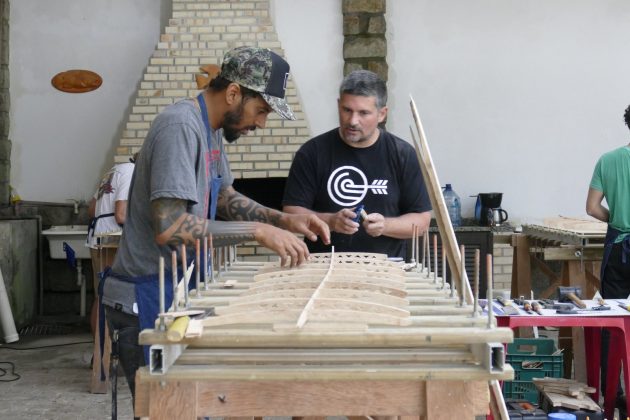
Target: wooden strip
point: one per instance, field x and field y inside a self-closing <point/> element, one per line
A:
<point x="374" y="337"/>
<point x="386" y="371"/>
<point x="289" y="356"/>
<point x="308" y="309"/>
<point x="449" y="241"/>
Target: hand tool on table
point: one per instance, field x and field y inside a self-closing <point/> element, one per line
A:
<point x="624" y="305"/>
<point x="571" y="294"/>
<point x="508" y="306"/>
<point x="536" y="307"/>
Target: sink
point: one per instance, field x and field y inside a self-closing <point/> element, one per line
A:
<point x="73" y="235"/>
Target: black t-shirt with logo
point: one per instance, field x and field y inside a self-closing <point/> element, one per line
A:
<point x="327" y="175"/>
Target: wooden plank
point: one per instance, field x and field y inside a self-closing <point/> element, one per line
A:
<point x="374" y="337"/>
<point x="573" y="254"/>
<point x="172" y="400"/>
<point x="456" y="400"/>
<point x="449" y="241"/>
<point x="308" y="398"/>
<point x="521" y="268"/>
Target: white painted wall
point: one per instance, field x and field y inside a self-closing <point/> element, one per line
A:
<point x="63" y="142"/>
<point x="516" y="96"/>
<point x="311" y="33"/>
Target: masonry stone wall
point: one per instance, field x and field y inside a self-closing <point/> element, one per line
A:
<point x="502" y="272"/>
<point x="5" y="143"/>
<point x="364" y="46"/>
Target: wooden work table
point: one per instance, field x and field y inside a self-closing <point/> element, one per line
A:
<point x="430" y="367"/>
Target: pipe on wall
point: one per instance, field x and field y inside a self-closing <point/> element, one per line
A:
<point x="6" y="316"/>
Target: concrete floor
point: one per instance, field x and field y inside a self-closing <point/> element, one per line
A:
<point x="54" y="379"/>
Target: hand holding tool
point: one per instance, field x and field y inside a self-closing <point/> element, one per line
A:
<point x="361" y="214"/>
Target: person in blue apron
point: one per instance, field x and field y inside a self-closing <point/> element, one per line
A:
<point x="183" y="180"/>
<point x="107" y="211"/>
<point x="611" y="180"/>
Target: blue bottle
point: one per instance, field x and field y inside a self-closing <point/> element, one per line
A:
<point x="453" y="205"/>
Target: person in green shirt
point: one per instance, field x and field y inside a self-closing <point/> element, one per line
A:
<point x="611" y="180"/>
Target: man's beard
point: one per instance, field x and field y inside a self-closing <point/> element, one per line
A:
<point x="231" y="121"/>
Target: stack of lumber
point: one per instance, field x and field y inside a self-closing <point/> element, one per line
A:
<point x="567" y="393"/>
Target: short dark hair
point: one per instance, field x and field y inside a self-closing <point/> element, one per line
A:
<point x="365" y="83"/>
<point x="220" y="83"/>
<point x="626" y="116"/>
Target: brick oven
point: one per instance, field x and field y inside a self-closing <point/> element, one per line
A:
<point x="199" y="33"/>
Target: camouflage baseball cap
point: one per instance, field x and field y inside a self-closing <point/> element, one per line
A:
<point x="260" y="70"/>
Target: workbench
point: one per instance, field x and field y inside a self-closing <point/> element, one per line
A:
<point x="577" y="244"/>
<point x="617" y="321"/>
<point x="437" y="364"/>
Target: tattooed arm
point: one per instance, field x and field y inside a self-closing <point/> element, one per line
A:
<point x="233" y="205"/>
<point x="173" y="225"/>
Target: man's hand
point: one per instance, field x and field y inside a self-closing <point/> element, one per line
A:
<point x="308" y="225"/>
<point x="291" y="250"/>
<point x="374" y="224"/>
<point x="343" y="222"/>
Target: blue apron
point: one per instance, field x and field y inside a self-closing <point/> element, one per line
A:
<point x="147" y="292"/>
<point x="611" y="236"/>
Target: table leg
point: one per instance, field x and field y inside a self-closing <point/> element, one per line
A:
<point x="592" y="348"/>
<point x="615" y="348"/>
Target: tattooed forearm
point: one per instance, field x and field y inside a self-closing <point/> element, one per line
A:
<point x="235" y="206"/>
<point x="174" y="226"/>
<point x="166" y="211"/>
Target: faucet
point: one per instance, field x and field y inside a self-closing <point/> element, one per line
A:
<point x="76" y="205"/>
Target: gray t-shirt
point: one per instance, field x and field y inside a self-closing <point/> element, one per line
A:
<point x="174" y="163"/>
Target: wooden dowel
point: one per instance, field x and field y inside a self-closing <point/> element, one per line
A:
<point x="184" y="270"/>
<point x="424" y="250"/>
<point x="462" y="270"/>
<point x="206" y="276"/>
<point x="476" y="280"/>
<point x="198" y="266"/>
<point x="212" y="261"/>
<point x="428" y="251"/>
<point x="418" y="261"/>
<point x="489" y="293"/>
<point x="435" y="259"/>
<point x="443" y="266"/>
<point x="174" y="276"/>
<point x="413" y="244"/>
<point x="161" y="291"/>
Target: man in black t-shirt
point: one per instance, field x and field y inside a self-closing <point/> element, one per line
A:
<point x="359" y="163"/>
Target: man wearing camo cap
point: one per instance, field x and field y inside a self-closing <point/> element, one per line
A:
<point x="182" y="180"/>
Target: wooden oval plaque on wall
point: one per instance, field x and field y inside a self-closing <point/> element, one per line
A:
<point x="77" y="81"/>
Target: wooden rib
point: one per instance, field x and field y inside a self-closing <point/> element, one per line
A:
<point x="270" y="316"/>
<point x="333" y="277"/>
<point x="319" y="303"/>
<point x="318" y="271"/>
<point x="330" y="293"/>
<point x="332" y="285"/>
